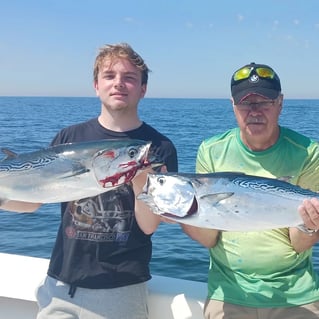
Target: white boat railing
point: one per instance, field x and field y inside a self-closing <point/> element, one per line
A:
<point x="170" y="298"/>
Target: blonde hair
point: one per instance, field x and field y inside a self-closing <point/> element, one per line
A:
<point x="120" y="51"/>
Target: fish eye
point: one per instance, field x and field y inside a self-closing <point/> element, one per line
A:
<point x="132" y="152"/>
<point x="161" y="180"/>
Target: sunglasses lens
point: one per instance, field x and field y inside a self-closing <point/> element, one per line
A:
<point x="265" y="73"/>
<point x="245" y="72"/>
<point x="242" y="74"/>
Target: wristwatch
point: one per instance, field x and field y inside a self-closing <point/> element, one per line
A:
<point x="307" y="230"/>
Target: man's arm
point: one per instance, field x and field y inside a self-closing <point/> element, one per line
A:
<point x="146" y="220"/>
<point x="19" y="207"/>
<point x="207" y="237"/>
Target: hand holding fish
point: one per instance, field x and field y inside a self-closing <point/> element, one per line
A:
<point x="306" y="235"/>
<point x="309" y="212"/>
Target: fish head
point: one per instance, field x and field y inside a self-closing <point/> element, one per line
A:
<point x="169" y="195"/>
<point x="118" y="165"/>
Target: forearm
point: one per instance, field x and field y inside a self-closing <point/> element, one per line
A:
<point x="207" y="237"/>
<point x="19" y="207"/>
<point x="146" y="219"/>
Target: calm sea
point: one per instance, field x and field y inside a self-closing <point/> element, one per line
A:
<point x="29" y="123"/>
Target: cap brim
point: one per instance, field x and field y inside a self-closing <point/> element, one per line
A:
<point x="262" y="91"/>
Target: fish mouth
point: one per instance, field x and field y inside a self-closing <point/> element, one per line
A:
<point x="192" y="211"/>
<point x="155" y="161"/>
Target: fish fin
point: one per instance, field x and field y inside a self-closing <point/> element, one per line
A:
<point x="217" y="197"/>
<point x="197" y="182"/>
<point x="10" y="154"/>
<point x="79" y="171"/>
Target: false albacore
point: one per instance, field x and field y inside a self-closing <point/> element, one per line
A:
<point x="71" y="171"/>
<point x="225" y="201"/>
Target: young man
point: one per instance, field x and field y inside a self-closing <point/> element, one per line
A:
<point x="100" y="262"/>
<point x="264" y="274"/>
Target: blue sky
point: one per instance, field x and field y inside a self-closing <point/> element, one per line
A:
<point x="47" y="47"/>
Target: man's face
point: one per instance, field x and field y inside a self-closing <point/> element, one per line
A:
<point x="257" y="118"/>
<point x="119" y="84"/>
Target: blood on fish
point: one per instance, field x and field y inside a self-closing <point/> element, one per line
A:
<point x="110" y="154"/>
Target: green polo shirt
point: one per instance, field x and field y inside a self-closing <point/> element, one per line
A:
<point x="261" y="269"/>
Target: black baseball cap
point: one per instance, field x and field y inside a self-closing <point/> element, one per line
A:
<point x="254" y="78"/>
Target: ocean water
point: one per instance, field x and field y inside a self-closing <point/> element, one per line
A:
<point x="29" y="123"/>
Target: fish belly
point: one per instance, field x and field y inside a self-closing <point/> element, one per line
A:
<point x="245" y="213"/>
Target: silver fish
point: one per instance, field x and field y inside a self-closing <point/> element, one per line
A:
<point x="71" y="171"/>
<point x="226" y="201"/>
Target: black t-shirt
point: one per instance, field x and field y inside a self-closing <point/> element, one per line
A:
<point x="99" y="243"/>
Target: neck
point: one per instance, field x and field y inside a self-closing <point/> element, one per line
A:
<point x="120" y="119"/>
<point x="120" y="124"/>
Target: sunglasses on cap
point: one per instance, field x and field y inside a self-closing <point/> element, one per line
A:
<point x="245" y="72"/>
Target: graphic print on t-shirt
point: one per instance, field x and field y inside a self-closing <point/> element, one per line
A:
<point x="102" y="218"/>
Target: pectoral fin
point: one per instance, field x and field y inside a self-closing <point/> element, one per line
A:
<point x="217" y="197"/>
<point x="9" y="154"/>
<point x="77" y="172"/>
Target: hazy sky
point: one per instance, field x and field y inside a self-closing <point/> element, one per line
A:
<point x="47" y="47"/>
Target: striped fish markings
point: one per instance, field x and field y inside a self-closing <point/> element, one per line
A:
<point x="226" y="201"/>
<point x="71" y="171"/>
